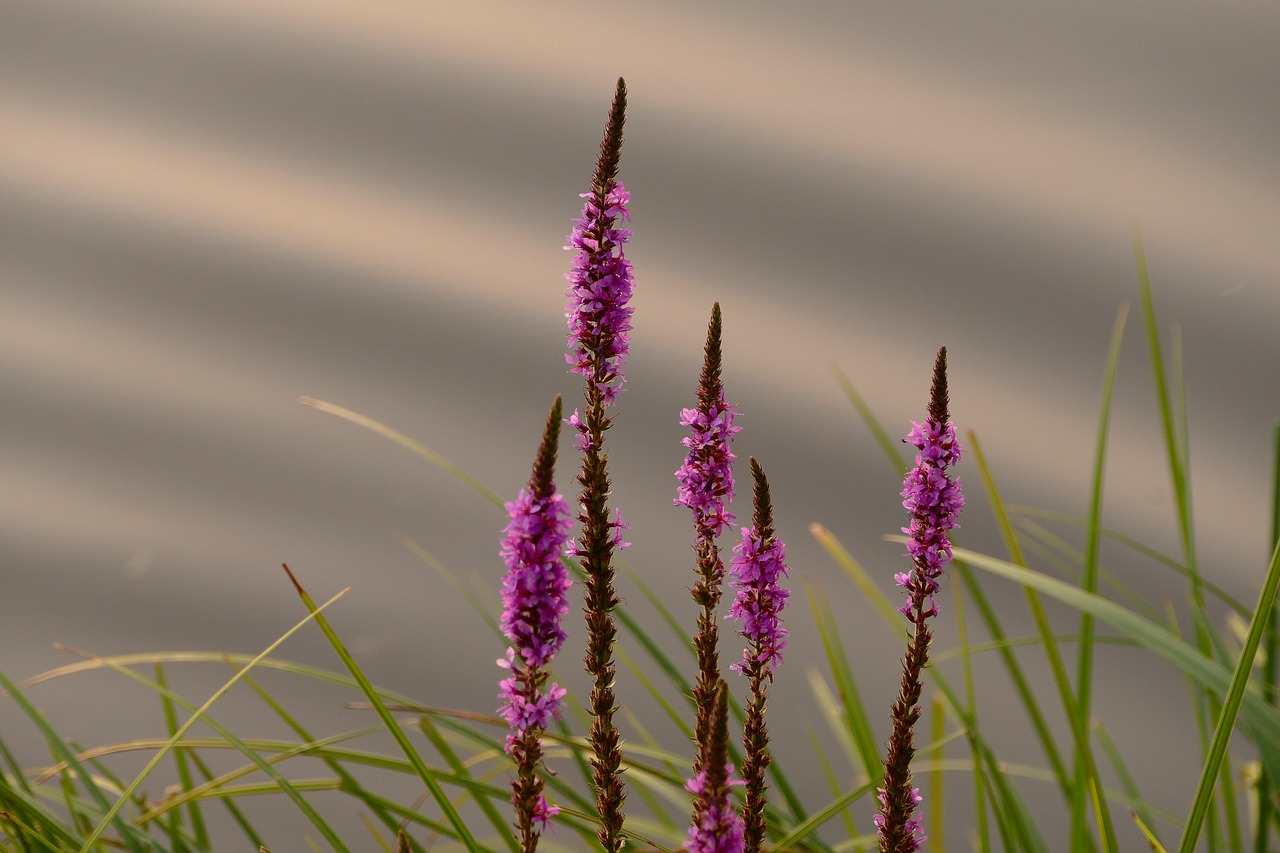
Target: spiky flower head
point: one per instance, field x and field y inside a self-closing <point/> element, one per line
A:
<point x="934" y="500"/>
<point x="706" y="477"/>
<point x="534" y="603"/>
<point x="717" y="825"/>
<point x="600" y="280"/>
<point x="758" y="564"/>
<point x="913" y="830"/>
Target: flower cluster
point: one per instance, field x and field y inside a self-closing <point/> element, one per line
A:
<point x="758" y="563"/>
<point x="934" y="501"/>
<point x="533" y="591"/>
<point x="706" y="477"/>
<point x="719" y="826"/>
<point x="912" y="830"/>
<point x="533" y="607"/>
<point x="600" y="285"/>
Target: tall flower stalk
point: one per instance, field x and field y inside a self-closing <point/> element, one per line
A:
<point x="706" y="487"/>
<point x="533" y="608"/>
<point x="717" y="826"/>
<point x="600" y="284"/>
<point x="934" y="501"/>
<point x="758" y="565"/>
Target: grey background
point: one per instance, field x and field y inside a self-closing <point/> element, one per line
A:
<point x="210" y="209"/>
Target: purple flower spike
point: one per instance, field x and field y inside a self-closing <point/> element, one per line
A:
<point x="706" y="487"/>
<point x="913" y="830"/>
<point x="533" y="591"/>
<point x="706" y="477"/>
<point x="600" y="285"/>
<point x="758" y="565"/>
<point x="533" y="607"/>
<point x="934" y="501"/>
<point x="717" y="826"/>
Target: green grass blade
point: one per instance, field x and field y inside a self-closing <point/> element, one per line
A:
<point x="458" y="586"/>
<point x="890" y="446"/>
<point x="1084" y="677"/>
<point x="777" y="776"/>
<point x="802" y="831"/>
<point x="646" y="792"/>
<point x="349" y="783"/>
<point x="501" y="826"/>
<point x="1164" y="560"/>
<point x="1010" y="812"/>
<point x="130" y="836"/>
<point x="404" y="441"/>
<point x="936" y="788"/>
<point x="1270" y="668"/>
<point x="36" y="823"/>
<point x="1088" y="777"/>
<point x="1085" y="767"/>
<point x="114" y="810"/>
<point x="1127" y="782"/>
<point x="829" y="773"/>
<point x="199" y="831"/>
<point x="655" y="693"/>
<point x="982" y="830"/>
<point x="1231" y="707"/>
<point x="1264" y="720"/>
<point x="1173" y="446"/>
<point x="237" y="816"/>
<point x="426" y="774"/>
<point x="856" y="723"/>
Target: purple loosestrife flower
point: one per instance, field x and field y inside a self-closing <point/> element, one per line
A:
<point x="600" y="285"/>
<point x="934" y="501"/>
<point x="716" y="826"/>
<point x="706" y="487"/>
<point x="599" y="327"/>
<point x="759" y="563"/>
<point x="533" y="607"/>
<point x="706" y="477"/>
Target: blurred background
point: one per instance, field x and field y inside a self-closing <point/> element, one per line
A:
<point x="208" y="210"/>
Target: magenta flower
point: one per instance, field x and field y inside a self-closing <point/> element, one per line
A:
<point x="706" y="487"/>
<point x="706" y="477"/>
<point x="913" y="829"/>
<point x="758" y="564"/>
<point x="533" y="607"/>
<point x="533" y="592"/>
<point x="934" y="501"/>
<point x="717" y="826"/>
<point x="600" y="285"/>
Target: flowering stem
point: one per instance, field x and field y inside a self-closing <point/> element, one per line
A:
<point x="756" y="571"/>
<point x="599" y="322"/>
<point x="717" y="826"/>
<point x="706" y="487"/>
<point x="534" y="604"/>
<point x="934" y="501"/>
